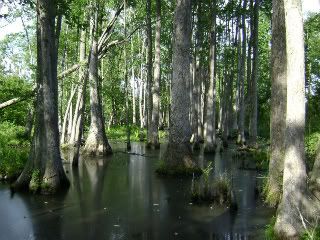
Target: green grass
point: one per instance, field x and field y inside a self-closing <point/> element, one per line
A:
<point x="211" y="191"/>
<point x="269" y="231"/>
<point x="119" y="133"/>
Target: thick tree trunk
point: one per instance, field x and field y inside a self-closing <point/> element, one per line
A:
<point x="288" y="224"/>
<point x="97" y="142"/>
<point x="210" y="123"/>
<point x="278" y="104"/>
<point x="254" y="90"/>
<point x="44" y="171"/>
<point x="178" y="153"/>
<point x="156" y="82"/>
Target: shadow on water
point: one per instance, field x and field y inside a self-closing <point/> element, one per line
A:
<point x="120" y="197"/>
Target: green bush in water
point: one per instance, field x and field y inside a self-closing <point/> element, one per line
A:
<point x="14" y="150"/>
<point x="217" y="190"/>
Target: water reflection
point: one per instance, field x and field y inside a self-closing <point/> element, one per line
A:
<point x="120" y="197"/>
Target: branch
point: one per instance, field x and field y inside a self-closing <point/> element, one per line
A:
<point x="109" y="28"/>
<point x="71" y="69"/>
<point x="16" y="100"/>
<point x="105" y="48"/>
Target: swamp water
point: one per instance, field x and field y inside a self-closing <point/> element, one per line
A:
<point x="121" y="197"/>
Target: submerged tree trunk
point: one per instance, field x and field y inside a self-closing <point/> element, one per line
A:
<point x="44" y="171"/>
<point x="97" y="142"/>
<point x="278" y="104"/>
<point x="178" y="153"/>
<point x="288" y="224"/>
<point x="156" y="82"/>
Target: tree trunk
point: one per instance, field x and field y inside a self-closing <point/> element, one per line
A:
<point x="156" y="82"/>
<point x="78" y="119"/>
<point x="278" y="104"/>
<point x="44" y="171"/>
<point x="210" y="124"/>
<point x="83" y="80"/>
<point x="126" y="80"/>
<point x="149" y="72"/>
<point x="178" y="153"/>
<point x="67" y="113"/>
<point x="254" y="90"/>
<point x="241" y="137"/>
<point x="197" y="81"/>
<point x="288" y="224"/>
<point x="97" y="142"/>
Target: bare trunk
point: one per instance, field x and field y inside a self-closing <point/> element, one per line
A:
<point x="156" y="82"/>
<point x="126" y="80"/>
<point x="44" y="171"/>
<point x="78" y="115"/>
<point x="241" y="137"/>
<point x="288" y="224"/>
<point x="210" y="124"/>
<point x="278" y="104"/>
<point x="254" y="96"/>
<point x="97" y="142"/>
<point x="149" y="71"/>
<point x="67" y="113"/>
<point x="178" y="152"/>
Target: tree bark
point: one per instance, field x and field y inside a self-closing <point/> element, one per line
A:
<point x="149" y="72"/>
<point x="156" y="82"/>
<point x="97" y="142"/>
<point x="178" y="152"/>
<point x="278" y="103"/>
<point x="254" y="90"/>
<point x="67" y="113"/>
<point x="288" y="224"/>
<point x="44" y="171"/>
<point x="241" y="137"/>
<point x="210" y="123"/>
<point x="126" y="80"/>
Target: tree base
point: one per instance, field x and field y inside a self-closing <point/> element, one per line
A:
<point x="210" y="148"/>
<point x="178" y="161"/>
<point x="96" y="145"/>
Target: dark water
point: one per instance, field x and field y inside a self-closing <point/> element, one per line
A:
<point x="120" y="197"/>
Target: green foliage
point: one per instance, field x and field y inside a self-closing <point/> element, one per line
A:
<point x="14" y="150"/>
<point x="119" y="133"/>
<point x="269" y="231"/>
<point x="311" y="146"/>
<point x="312" y="234"/>
<point x="259" y="156"/>
<point x="35" y="182"/>
<point x="12" y="87"/>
